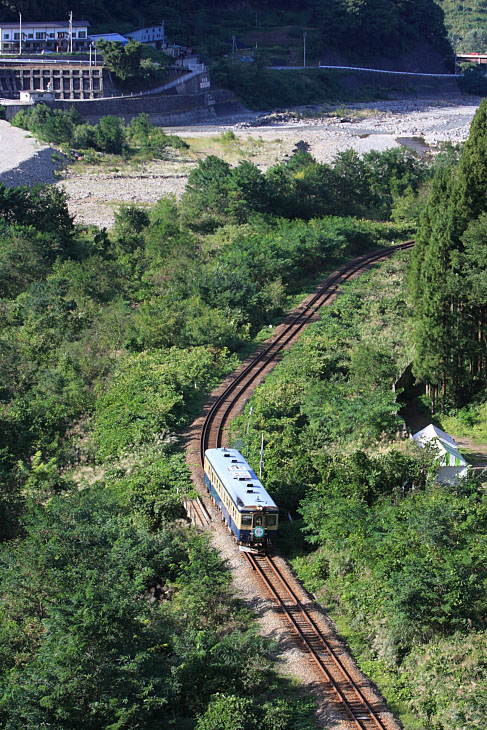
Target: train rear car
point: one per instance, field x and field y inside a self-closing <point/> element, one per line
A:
<point x="248" y="510"/>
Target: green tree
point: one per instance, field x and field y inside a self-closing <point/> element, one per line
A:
<point x="124" y="61"/>
<point x="447" y="357"/>
<point x="205" y="200"/>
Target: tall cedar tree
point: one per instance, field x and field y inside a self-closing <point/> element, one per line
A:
<point x="449" y="323"/>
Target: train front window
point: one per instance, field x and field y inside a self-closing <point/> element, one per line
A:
<point x="246" y="520"/>
<point x="257" y="520"/>
<point x="270" y="520"/>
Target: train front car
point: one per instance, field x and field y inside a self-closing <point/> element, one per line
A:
<point x="248" y="510"/>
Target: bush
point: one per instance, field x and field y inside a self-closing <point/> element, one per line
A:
<point x="54" y="126"/>
<point x="473" y="80"/>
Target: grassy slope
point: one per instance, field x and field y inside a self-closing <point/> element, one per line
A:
<point x="461" y="17"/>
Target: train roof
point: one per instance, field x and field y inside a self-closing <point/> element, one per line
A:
<point x="241" y="482"/>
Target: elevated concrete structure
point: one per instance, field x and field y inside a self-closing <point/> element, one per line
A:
<point x="65" y="79"/>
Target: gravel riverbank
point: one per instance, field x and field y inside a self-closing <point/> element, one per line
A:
<point x="363" y="127"/>
<point x="96" y="192"/>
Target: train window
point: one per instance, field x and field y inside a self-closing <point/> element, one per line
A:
<point x="271" y="520"/>
<point x="246" y="520"/>
<point x="257" y="520"/>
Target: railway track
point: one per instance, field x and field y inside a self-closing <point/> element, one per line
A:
<point x="197" y="511"/>
<point x="356" y="708"/>
<point x="357" y="711"/>
<point x="240" y="388"/>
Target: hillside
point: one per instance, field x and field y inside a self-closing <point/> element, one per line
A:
<point x="462" y="17"/>
<point x="355" y="29"/>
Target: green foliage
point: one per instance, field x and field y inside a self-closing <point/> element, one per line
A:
<point x="111" y="135"/>
<point x="41" y="207"/>
<point x="155" y="487"/>
<point x="154" y="393"/>
<point x="449" y="355"/>
<point x="473" y="80"/>
<point x="228" y="712"/>
<point x="448" y="679"/>
<point x="364" y="186"/>
<point x="102" y="627"/>
<point x="464" y="22"/>
<point x="55" y="126"/>
<point x="124" y="61"/>
<point x="412" y="566"/>
<point x="151" y="141"/>
<point x="262" y="88"/>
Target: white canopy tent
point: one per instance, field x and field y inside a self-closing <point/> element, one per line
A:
<point x="452" y="465"/>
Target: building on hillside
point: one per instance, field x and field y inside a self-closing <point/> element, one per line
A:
<point x="153" y="35"/>
<point x="52" y="36"/>
<point x="451" y="464"/>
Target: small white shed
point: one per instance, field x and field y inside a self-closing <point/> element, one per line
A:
<point x="452" y="465"/>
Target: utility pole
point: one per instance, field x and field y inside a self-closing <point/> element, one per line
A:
<point x="261" y="464"/>
<point x="234" y="44"/>
<point x="304" y="49"/>
<point x="20" y="34"/>
<point x="70" y="31"/>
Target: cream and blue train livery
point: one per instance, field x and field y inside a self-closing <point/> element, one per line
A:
<point x="248" y="510"/>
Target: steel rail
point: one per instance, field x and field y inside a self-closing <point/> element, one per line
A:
<point x="205" y="515"/>
<point x="365" y="707"/>
<point x="326" y="291"/>
<point x="197" y="511"/>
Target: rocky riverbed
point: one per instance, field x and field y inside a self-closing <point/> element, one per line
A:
<point x="95" y="192"/>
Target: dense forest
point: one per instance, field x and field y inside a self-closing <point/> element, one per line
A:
<point x="398" y="559"/>
<point x="358" y="27"/>
<point x="447" y="277"/>
<point x="110" y="342"/>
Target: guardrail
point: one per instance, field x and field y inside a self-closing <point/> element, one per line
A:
<point x="48" y="60"/>
<point x="371" y="70"/>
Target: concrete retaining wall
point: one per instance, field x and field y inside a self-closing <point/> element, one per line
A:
<point x="162" y="109"/>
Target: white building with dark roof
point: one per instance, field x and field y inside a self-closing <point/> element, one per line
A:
<point x="153" y="35"/>
<point x="53" y="36"/>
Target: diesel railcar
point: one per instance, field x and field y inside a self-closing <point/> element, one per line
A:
<point x="248" y="510"/>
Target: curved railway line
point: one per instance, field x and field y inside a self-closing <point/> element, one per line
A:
<point x="356" y="710"/>
<point x="242" y="386"/>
